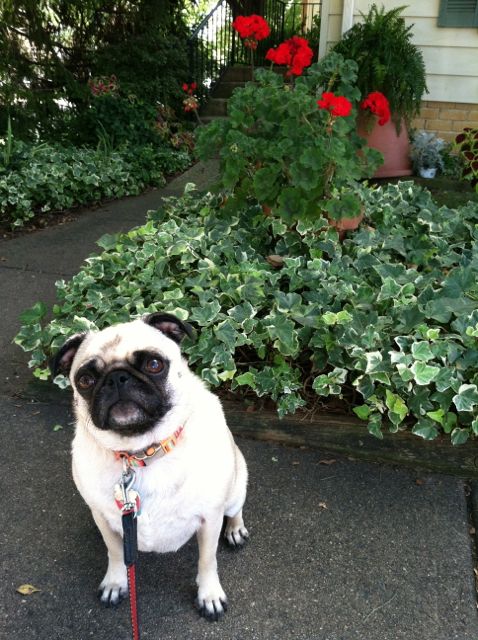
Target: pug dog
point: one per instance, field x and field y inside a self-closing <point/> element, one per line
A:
<point x="135" y="398"/>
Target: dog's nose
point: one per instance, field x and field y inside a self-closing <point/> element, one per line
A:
<point x="117" y="378"/>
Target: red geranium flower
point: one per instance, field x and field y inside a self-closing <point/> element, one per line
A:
<point x="336" y="105"/>
<point x="252" y="28"/>
<point x="189" y="88"/>
<point x="378" y="104"/>
<point x="295" y="53"/>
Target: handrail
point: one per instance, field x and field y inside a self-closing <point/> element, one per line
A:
<point x="214" y="45"/>
<point x="200" y="25"/>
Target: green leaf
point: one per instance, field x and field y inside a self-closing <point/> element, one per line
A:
<point x="437" y="416"/>
<point x="449" y="422"/>
<point x="466" y="398"/>
<point x="423" y="373"/>
<point x="362" y="411"/>
<point x="459" y="436"/>
<point x="421" y="351"/>
<point x="425" y="429"/>
<point x="474" y="426"/>
<point x="389" y="289"/>
<point x="247" y="378"/>
<point x="242" y="312"/>
<point x="287" y="301"/>
<point x="375" y="425"/>
<point x="283" y="330"/>
<point x="206" y="314"/>
<point x="34" y="314"/>
<point x="396" y="405"/>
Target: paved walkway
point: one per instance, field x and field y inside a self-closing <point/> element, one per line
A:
<point x="340" y="551"/>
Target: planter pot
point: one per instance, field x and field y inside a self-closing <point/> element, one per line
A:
<point x="394" y="148"/>
<point x="428" y="173"/>
<point x="346" y="224"/>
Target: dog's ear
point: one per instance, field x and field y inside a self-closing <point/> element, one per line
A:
<point x="171" y="326"/>
<point x="62" y="361"/>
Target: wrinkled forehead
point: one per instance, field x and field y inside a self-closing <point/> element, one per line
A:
<point x="120" y="342"/>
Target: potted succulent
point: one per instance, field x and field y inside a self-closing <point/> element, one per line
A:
<point x="426" y="154"/>
<point x="388" y="62"/>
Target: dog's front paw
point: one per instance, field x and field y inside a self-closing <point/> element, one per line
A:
<point x="112" y="591"/>
<point x="211" y="603"/>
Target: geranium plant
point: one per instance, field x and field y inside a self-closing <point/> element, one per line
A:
<point x="294" y="148"/>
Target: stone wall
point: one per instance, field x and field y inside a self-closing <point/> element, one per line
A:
<point x="446" y="119"/>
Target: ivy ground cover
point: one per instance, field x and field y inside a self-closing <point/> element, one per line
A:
<point x="387" y="320"/>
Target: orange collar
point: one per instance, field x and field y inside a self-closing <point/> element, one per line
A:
<point x="143" y="458"/>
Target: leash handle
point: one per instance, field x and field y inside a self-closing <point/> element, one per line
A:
<point x="130" y="538"/>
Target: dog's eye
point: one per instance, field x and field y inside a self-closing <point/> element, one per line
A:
<point x="153" y="365"/>
<point x="85" y="382"/>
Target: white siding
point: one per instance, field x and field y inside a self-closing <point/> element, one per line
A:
<point x="450" y="54"/>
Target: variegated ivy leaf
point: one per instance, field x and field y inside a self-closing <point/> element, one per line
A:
<point x="421" y="351"/>
<point x="423" y="373"/>
<point x="459" y="436"/>
<point x="426" y="429"/>
<point x="466" y="398"/>
<point x="398" y="410"/>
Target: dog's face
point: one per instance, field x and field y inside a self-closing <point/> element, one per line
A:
<point x="124" y="376"/>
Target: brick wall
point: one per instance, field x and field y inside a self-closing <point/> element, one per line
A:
<point x="446" y="119"/>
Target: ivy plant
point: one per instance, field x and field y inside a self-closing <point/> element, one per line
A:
<point x="386" y="321"/>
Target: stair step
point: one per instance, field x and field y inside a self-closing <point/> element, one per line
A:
<point x="208" y="119"/>
<point x="215" y="107"/>
<point x="225" y="88"/>
<point x="237" y="73"/>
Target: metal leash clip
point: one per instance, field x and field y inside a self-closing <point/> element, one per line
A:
<point x="126" y="497"/>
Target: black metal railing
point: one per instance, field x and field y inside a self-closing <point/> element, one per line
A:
<point x="214" y="45"/>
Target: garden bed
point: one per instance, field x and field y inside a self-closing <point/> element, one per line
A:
<point x="345" y="435"/>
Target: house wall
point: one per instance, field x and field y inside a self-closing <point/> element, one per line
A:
<point x="450" y="55"/>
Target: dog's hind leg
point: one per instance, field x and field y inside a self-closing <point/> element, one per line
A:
<point x="235" y="532"/>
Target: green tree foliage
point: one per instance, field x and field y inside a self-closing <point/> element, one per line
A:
<point x="51" y="48"/>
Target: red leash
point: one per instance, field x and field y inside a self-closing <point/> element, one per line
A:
<point x="133" y="605"/>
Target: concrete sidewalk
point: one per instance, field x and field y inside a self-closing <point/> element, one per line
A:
<point x="339" y="551"/>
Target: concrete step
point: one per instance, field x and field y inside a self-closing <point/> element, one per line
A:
<point x="242" y="73"/>
<point x="208" y="119"/>
<point x="225" y="88"/>
<point x="215" y="107"/>
<point x="237" y="73"/>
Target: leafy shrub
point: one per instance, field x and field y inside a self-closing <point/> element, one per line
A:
<point x="43" y="178"/>
<point x="387" y="319"/>
<point x="466" y="144"/>
<point x="50" y="49"/>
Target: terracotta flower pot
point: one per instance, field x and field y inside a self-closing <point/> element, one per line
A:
<point x="395" y="148"/>
<point x="346" y="224"/>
